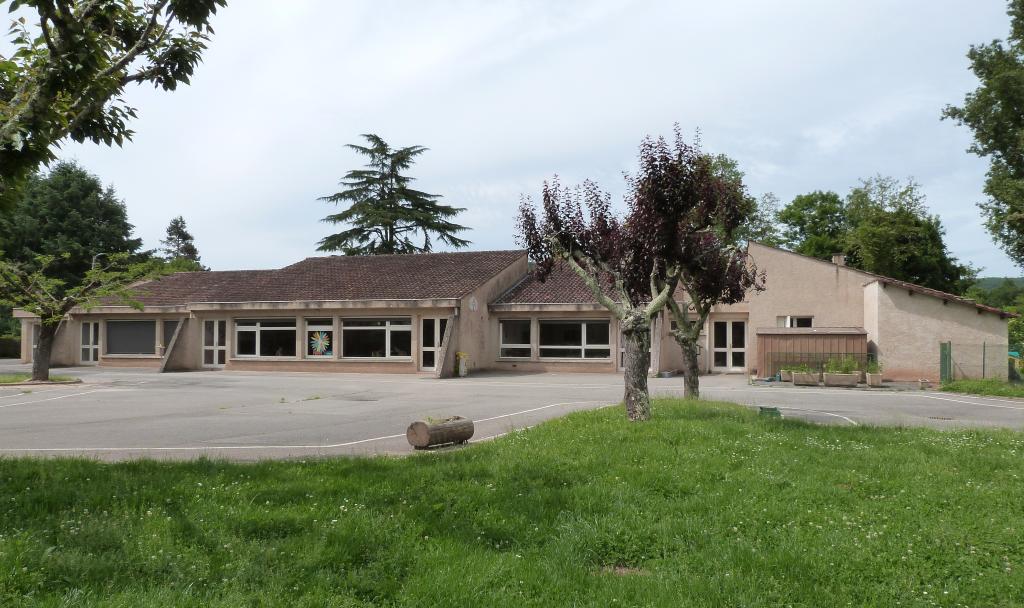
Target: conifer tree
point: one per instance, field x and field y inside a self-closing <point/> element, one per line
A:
<point x="385" y="214"/>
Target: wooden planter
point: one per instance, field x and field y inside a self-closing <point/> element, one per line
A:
<point x="805" y="378"/>
<point x="423" y="435"/>
<point x="842" y="379"/>
<point x="786" y="375"/>
<point x="874" y="380"/>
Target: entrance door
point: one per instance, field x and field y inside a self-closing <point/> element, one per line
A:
<point x="215" y="343"/>
<point x="90" y="354"/>
<point x="729" y="346"/>
<point x="431" y="335"/>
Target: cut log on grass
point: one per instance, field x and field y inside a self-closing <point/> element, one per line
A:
<point x="442" y="432"/>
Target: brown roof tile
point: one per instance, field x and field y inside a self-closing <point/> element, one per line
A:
<point x="382" y="277"/>
<point x="562" y="286"/>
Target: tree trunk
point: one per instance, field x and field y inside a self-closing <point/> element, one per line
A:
<point x="41" y="354"/>
<point x="452" y="430"/>
<point x="691" y="380"/>
<point x="637" y="335"/>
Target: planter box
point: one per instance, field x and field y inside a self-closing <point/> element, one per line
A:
<point x="805" y="378"/>
<point x="874" y="380"/>
<point x="786" y="375"/>
<point x="842" y="379"/>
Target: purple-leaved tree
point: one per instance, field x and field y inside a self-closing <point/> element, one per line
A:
<point x="681" y="213"/>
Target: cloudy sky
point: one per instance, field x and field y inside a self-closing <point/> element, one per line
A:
<point x="805" y="95"/>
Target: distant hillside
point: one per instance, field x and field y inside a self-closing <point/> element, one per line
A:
<point x="988" y="283"/>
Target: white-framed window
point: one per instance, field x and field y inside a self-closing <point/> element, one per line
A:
<point x="131" y="337"/>
<point x="794" y="321"/>
<point x="319" y="338"/>
<point x="265" y="337"/>
<point x="575" y="340"/>
<point x="376" y="338"/>
<point x="515" y="339"/>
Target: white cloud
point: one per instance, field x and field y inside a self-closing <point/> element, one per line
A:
<point x="804" y="94"/>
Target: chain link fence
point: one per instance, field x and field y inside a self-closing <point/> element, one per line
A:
<point x="965" y="361"/>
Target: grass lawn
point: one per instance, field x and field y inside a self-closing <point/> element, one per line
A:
<point x="706" y="505"/>
<point x="15" y="378"/>
<point x="993" y="387"/>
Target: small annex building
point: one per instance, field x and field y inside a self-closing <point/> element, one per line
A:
<point x="413" y="313"/>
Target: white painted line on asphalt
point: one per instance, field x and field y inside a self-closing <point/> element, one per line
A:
<point x="23" y="392"/>
<point x="53" y="398"/>
<point x="1003" y="407"/>
<point x="799" y="409"/>
<point x="205" y="447"/>
<point x="265" y="447"/>
<point x="543" y="407"/>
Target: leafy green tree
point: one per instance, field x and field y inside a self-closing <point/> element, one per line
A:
<point x="385" y="213"/>
<point x="70" y="65"/>
<point x="995" y="113"/>
<point x="814" y="224"/>
<point x="890" y="232"/>
<point x="179" y="247"/>
<point x="66" y="243"/>
<point x="882" y="226"/>
<point x="760" y="214"/>
<point x="33" y="286"/>
<point x="1005" y="295"/>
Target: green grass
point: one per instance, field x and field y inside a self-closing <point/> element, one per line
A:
<point x="993" y="387"/>
<point x="706" y="505"/>
<point x="15" y="378"/>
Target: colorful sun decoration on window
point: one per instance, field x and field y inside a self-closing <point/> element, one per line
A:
<point x="320" y="343"/>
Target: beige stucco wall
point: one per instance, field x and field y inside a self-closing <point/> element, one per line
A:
<point x="473" y="336"/>
<point x="910" y="327"/>
<point x="806" y="287"/>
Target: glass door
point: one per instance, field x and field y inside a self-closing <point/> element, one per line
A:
<point x="215" y="343"/>
<point x="729" y="346"/>
<point x="90" y="354"/>
<point x="431" y="335"/>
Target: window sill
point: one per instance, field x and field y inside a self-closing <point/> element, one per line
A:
<point x="573" y="360"/>
<point x="258" y="358"/>
<point x="126" y="356"/>
<point x="376" y="359"/>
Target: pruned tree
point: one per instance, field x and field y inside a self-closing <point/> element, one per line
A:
<point x="71" y="64"/>
<point x="385" y="213"/>
<point x="676" y="205"/>
<point x="33" y="287"/>
<point x="711" y="271"/>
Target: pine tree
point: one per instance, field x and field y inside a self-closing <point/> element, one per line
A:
<point x="385" y="214"/>
<point x="180" y="244"/>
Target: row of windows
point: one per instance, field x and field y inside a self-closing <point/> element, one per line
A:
<point x="382" y="338"/>
<point x="557" y="340"/>
<point x="360" y="338"/>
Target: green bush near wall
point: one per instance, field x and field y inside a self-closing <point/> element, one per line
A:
<point x="10" y="347"/>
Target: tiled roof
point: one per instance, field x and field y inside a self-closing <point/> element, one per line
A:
<point x="562" y="286"/>
<point x="382" y="277"/>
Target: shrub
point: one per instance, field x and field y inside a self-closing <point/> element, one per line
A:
<point x="801" y="368"/>
<point x="842" y="365"/>
<point x="873" y="367"/>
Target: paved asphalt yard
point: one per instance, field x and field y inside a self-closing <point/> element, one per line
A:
<point x="122" y="414"/>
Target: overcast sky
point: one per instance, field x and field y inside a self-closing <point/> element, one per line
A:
<point x="805" y="95"/>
